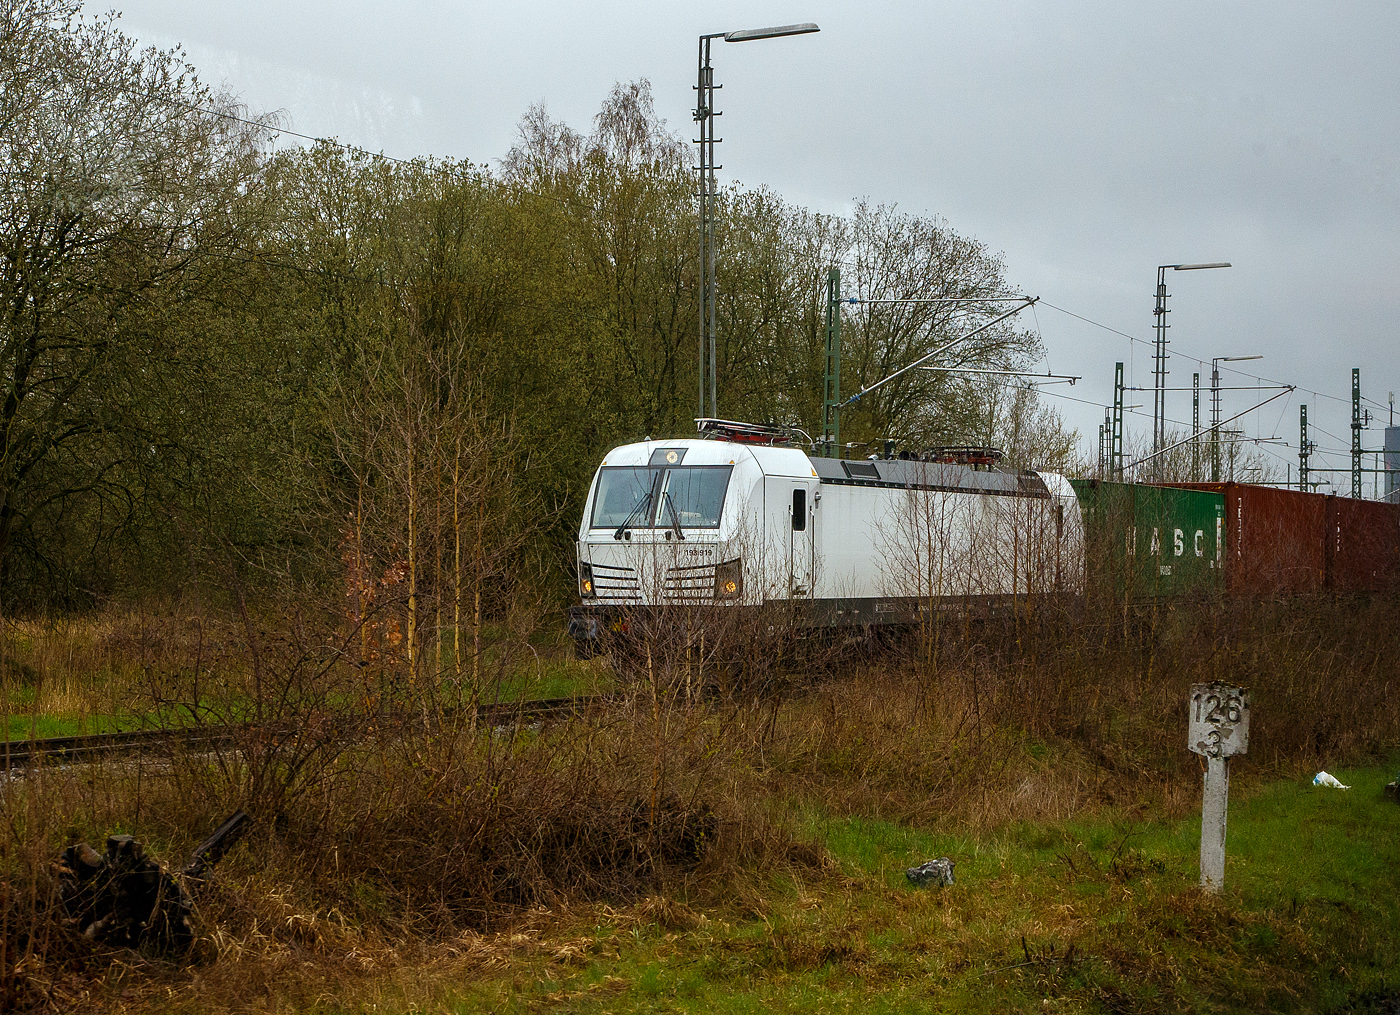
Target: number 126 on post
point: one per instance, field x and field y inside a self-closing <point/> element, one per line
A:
<point x="1219" y="720"/>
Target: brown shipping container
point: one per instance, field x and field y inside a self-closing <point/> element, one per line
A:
<point x="1288" y="542"/>
<point x="1363" y="550"/>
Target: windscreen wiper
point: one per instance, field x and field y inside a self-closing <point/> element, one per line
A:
<point x="644" y="502"/>
<point x="675" y="515"/>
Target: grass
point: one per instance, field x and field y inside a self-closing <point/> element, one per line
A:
<point x="1093" y="915"/>
<point x="71" y="681"/>
<point x="65" y="679"/>
<point x="1097" y="914"/>
<point x="556" y="677"/>
<point x="37" y="725"/>
<point x="482" y="870"/>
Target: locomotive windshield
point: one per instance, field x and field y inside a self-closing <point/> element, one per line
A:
<point x="641" y="497"/>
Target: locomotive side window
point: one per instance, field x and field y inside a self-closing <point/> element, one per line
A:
<point x="799" y="510"/>
<point x="644" y="497"/>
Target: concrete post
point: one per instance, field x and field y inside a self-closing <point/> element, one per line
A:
<point x="1217" y="727"/>
<point x="1213" y="807"/>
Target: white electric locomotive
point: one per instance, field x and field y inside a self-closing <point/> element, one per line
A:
<point x="742" y="519"/>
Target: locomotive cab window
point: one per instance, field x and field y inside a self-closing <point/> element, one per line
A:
<point x="644" y="497"/>
<point x="799" y="510"/>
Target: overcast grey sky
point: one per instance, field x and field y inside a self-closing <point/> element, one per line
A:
<point x="1087" y="142"/>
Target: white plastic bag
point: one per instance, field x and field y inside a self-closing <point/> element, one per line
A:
<point x="1323" y="779"/>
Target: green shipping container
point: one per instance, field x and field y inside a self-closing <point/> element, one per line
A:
<point x="1152" y="542"/>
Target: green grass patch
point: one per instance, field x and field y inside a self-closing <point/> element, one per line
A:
<point x="556" y="678"/>
<point x="23" y="727"/>
<point x="1095" y="915"/>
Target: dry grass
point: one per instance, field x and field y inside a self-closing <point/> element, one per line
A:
<point x="72" y="668"/>
<point x="387" y="842"/>
<point x="1018" y="720"/>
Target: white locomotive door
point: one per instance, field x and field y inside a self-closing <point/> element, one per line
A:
<point x="790" y="504"/>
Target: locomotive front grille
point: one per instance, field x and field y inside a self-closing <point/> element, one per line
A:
<point x="616" y="583"/>
<point x="692" y="584"/>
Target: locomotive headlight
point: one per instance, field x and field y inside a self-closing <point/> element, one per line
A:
<point x="729" y="580"/>
<point x="585" y="580"/>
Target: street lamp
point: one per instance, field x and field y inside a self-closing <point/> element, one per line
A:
<point x="1215" y="410"/>
<point x="704" y="115"/>
<point x="1159" y="356"/>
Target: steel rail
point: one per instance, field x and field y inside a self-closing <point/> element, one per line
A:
<point x="21" y="754"/>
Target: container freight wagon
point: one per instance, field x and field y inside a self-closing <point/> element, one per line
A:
<point x="1288" y="542"/>
<point x="1152" y="542"/>
<point x="735" y="522"/>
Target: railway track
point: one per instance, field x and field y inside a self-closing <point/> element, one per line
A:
<point x="77" y="750"/>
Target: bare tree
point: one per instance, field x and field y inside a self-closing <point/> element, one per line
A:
<point x="1010" y="416"/>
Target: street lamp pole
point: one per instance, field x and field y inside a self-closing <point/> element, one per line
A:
<point x="1159" y="354"/>
<point x="1215" y="410"/>
<point x="704" y="114"/>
